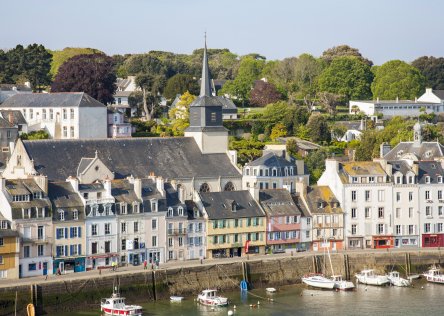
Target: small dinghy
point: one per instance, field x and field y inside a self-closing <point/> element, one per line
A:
<point x="270" y="290"/>
<point x="176" y="299"/>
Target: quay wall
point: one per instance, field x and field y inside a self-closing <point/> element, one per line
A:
<point x="54" y="296"/>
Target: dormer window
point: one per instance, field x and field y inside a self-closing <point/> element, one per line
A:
<point x="213" y="116"/>
<point x="427" y="179"/>
<point x="85" y="195"/>
<point x="439" y="179"/>
<point x="196" y="214"/>
<point x="180" y="210"/>
<point x="136" y="208"/>
<point x="354" y="179"/>
<point x="99" y="195"/>
<point x="233" y="207"/>
<point x="123" y="208"/>
<point x="286" y="171"/>
<point x="371" y="179"/>
<point x="411" y="179"/>
<point x="61" y="215"/>
<point x="398" y="180"/>
<point x="428" y="154"/>
<point x="75" y="215"/>
<point x="153" y="206"/>
<point x="320" y="204"/>
<point x="274" y="172"/>
<point x="170" y="212"/>
<point x="291" y="171"/>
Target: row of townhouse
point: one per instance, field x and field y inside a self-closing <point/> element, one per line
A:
<point x="395" y="200"/>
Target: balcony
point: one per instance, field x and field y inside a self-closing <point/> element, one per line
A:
<point x="177" y="231"/>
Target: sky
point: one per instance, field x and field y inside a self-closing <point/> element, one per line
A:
<point x="382" y="30"/>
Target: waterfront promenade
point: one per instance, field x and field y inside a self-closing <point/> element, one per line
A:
<point x="130" y="269"/>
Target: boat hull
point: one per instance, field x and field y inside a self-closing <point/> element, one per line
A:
<point x="319" y="282"/>
<point x="114" y="312"/>
<point x="211" y="302"/>
<point x="381" y="280"/>
<point x="344" y="286"/>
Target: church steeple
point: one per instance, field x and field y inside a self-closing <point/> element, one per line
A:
<point x="205" y="84"/>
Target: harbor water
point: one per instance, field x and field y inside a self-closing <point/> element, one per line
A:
<point x="421" y="299"/>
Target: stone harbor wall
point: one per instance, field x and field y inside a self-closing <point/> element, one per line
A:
<point x="54" y="296"/>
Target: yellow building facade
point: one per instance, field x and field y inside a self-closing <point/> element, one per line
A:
<point x="9" y="254"/>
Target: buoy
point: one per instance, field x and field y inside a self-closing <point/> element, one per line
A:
<point x="234" y="306"/>
<point x="422" y="288"/>
<point x="258" y="303"/>
<point x="230" y="313"/>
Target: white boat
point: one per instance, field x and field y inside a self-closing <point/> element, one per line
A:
<point x="270" y="290"/>
<point x="341" y="284"/>
<point x="396" y="280"/>
<point x="318" y="280"/>
<point x="434" y="275"/>
<point x="115" y="305"/>
<point x="176" y="298"/>
<point x="210" y="298"/>
<point x="369" y="277"/>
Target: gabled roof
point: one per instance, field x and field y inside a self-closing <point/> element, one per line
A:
<point x="171" y="158"/>
<point x="17" y="116"/>
<point x="423" y="151"/>
<point x="278" y="202"/>
<point x="362" y="168"/>
<point x="439" y="93"/>
<point x="60" y="99"/>
<point x="401" y="166"/>
<point x="218" y="204"/>
<point x="431" y="169"/>
<point x="123" y="191"/>
<point x="62" y="195"/>
<point x="316" y="195"/>
<point x="271" y="160"/>
<point x="84" y="163"/>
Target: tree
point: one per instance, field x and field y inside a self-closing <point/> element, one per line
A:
<point x="355" y="109"/>
<point x="180" y="114"/>
<point x="343" y="50"/>
<point x="347" y="76"/>
<point x="318" y="130"/>
<point x="151" y="90"/>
<point x="432" y="69"/>
<point x="306" y="72"/>
<point x="59" y="57"/>
<point x="278" y="130"/>
<point x="330" y="101"/>
<point x="397" y="79"/>
<point x="180" y="83"/>
<point x="38" y="65"/>
<point x="281" y="74"/>
<point x="247" y="150"/>
<point x="92" y="74"/>
<point x="264" y="93"/>
<point x="315" y="162"/>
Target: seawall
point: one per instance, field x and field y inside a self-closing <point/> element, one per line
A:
<point x="54" y="296"/>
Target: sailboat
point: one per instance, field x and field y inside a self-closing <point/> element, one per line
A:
<point x="340" y="284"/>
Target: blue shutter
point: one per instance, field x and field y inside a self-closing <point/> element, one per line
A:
<point x="66" y="250"/>
<point x="71" y="232"/>
<point x="58" y="251"/>
<point x="79" y="248"/>
<point x="79" y="231"/>
<point x="66" y="232"/>
<point x="71" y="250"/>
<point x="58" y="233"/>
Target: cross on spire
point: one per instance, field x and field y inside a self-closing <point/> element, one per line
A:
<point x="205" y="84"/>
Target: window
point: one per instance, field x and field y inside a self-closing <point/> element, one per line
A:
<point x="427" y="179"/>
<point x="180" y="239"/>
<point x="180" y="210"/>
<point x="123" y="208"/>
<point x="123" y="227"/>
<point x="398" y="196"/>
<point x="353" y="212"/>
<point x="411" y="179"/>
<point x="1" y="242"/>
<point x="367" y="212"/>
<point x="170" y="241"/>
<point x="135" y="208"/>
<point x="123" y="245"/>
<point x="154" y="241"/>
<point x="439" y="179"/>
<point x="94" y="230"/>
<point x="367" y="196"/>
<point x="40" y="232"/>
<point x="32" y="267"/>
<point x="136" y="227"/>
<point x="397" y="212"/>
<point x="398" y="180"/>
<point x="213" y="116"/>
<point x="410" y="212"/>
<point x="380" y="228"/>
<point x="153" y="206"/>
<point x="107" y="228"/>
<point x="354" y="179"/>
<point x="427" y="195"/>
<point x="440" y="210"/>
<point x="94" y="247"/>
<point x="439" y="227"/>
<point x="31" y="114"/>
<point x="353" y="195"/>
<point x="26" y="251"/>
<point x="428" y="211"/>
<point x="61" y="215"/>
<point x="353" y="230"/>
<point x="204" y="187"/>
<point x="44" y="114"/>
<point x="427" y="228"/>
<point x="108" y="246"/>
<point x="71" y="129"/>
<point x="40" y="250"/>
<point x="85" y="195"/>
<point x="411" y="229"/>
<point x="65" y="116"/>
<point x="154" y="223"/>
<point x="381" y="212"/>
<point x="371" y="179"/>
<point x="410" y="196"/>
<point x="381" y="195"/>
<point x="65" y="131"/>
<point x="51" y="114"/>
<point x="75" y="215"/>
<point x="398" y="229"/>
<point x="440" y="195"/>
<point x="72" y="114"/>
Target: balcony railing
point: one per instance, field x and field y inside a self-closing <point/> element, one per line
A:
<point x="177" y="231"/>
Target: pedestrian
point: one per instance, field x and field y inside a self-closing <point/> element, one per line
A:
<point x="144" y="264"/>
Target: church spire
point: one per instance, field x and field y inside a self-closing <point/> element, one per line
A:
<point x="205" y="84"/>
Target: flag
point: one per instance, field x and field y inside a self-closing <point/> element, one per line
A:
<point x="247" y="245"/>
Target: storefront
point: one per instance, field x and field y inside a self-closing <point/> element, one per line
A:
<point x="355" y="243"/>
<point x="433" y="240"/>
<point x="101" y="261"/>
<point x="382" y="242"/>
<point x="406" y="241"/>
<point x="69" y="265"/>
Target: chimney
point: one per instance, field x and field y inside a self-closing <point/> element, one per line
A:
<point x="415" y="167"/>
<point x="138" y="188"/>
<point x="331" y="165"/>
<point x="301" y="187"/>
<point x="254" y="192"/>
<point x="74" y="183"/>
<point x="107" y="186"/>
<point x="181" y="194"/>
<point x="397" y="99"/>
<point x="27" y="84"/>
<point x="2" y="183"/>
<point x="42" y="182"/>
<point x="416" y="99"/>
<point x="11" y="118"/>
<point x="299" y="167"/>
<point x="160" y="185"/>
<point x="384" y="148"/>
<point x="377" y="100"/>
<point x="428" y="90"/>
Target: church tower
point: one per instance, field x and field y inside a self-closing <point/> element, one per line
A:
<point x="206" y="116"/>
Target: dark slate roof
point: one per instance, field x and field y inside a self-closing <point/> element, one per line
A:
<point x="14" y="87"/>
<point x="5" y="124"/>
<point x="227" y="104"/>
<point x="207" y="101"/>
<point x="439" y="93"/>
<point x="400" y="166"/>
<point x="62" y="195"/>
<point x="171" y="158"/>
<point x="17" y="116"/>
<point x="271" y="160"/>
<point x="22" y="187"/>
<point x="218" y="204"/>
<point x="278" y="202"/>
<point x="62" y="99"/>
<point x="433" y="169"/>
<point x="84" y="163"/>
<point x="91" y="187"/>
<point x="123" y="191"/>
<point x="423" y="151"/>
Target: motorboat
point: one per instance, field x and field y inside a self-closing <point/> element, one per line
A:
<point x="434" y="275"/>
<point x="341" y="284"/>
<point x="115" y="305"/>
<point x="176" y="299"/>
<point x="318" y="280"/>
<point x="369" y="277"/>
<point x="396" y="280"/>
<point x="210" y="298"/>
<point x="270" y="290"/>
